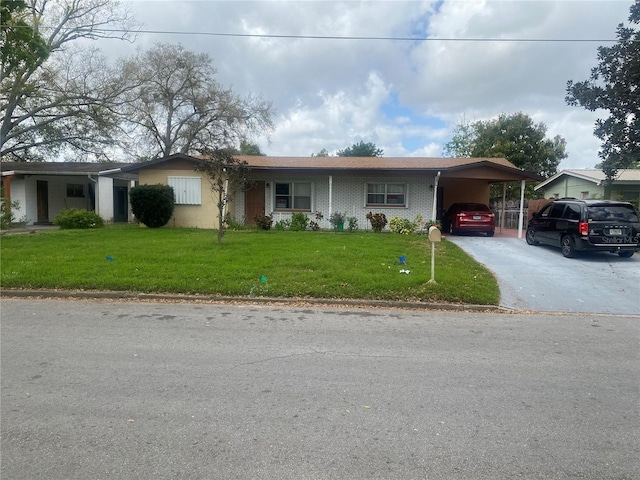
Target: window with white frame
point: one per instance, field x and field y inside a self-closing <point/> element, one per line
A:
<point x="187" y="190"/>
<point x="387" y="194"/>
<point x="293" y="196"/>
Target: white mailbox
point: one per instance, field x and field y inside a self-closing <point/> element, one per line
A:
<point x="435" y="235"/>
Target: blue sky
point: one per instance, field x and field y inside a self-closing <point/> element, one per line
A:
<point x="404" y="96"/>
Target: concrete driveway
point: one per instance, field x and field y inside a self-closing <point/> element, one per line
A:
<point x="541" y="279"/>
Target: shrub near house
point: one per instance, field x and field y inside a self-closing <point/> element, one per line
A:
<point x="153" y="205"/>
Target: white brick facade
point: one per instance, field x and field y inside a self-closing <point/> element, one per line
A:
<point x="348" y="195"/>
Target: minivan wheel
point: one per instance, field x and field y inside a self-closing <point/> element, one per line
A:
<point x="626" y="253"/>
<point x="531" y="237"/>
<point x="568" y="248"/>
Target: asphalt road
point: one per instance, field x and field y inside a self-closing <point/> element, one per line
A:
<point x="126" y="390"/>
<point x="541" y="279"/>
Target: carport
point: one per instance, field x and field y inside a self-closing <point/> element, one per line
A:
<point x="469" y="180"/>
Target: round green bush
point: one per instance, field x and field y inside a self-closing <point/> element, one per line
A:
<point x="78" y="218"/>
<point x="153" y="205"/>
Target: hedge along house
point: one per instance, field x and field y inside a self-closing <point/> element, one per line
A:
<point x="44" y="189"/>
<point x="396" y="186"/>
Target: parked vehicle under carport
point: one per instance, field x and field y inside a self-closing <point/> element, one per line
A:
<point x="469" y="217"/>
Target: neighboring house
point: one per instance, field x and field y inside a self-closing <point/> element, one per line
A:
<point x="591" y="183"/>
<point x="43" y="190"/>
<point x="401" y="186"/>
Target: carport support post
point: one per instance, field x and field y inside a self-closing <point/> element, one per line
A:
<point x="520" y="215"/>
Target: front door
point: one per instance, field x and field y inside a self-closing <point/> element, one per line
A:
<point x="254" y="203"/>
<point x="42" y="200"/>
<point x="121" y="205"/>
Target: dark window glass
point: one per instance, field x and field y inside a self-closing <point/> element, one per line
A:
<point x="556" y="210"/>
<point x="75" y="190"/>
<point x="572" y="212"/>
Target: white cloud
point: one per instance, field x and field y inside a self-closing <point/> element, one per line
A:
<point x="403" y="96"/>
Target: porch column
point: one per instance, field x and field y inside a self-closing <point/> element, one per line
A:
<point x="330" y="194"/>
<point x="521" y="215"/>
<point x="504" y="204"/>
<point x="435" y="198"/>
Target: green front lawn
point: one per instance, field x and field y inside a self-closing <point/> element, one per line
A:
<point x="359" y="265"/>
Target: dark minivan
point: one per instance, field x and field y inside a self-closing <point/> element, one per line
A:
<point x="586" y="225"/>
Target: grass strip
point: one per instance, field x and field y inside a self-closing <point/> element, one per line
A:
<point x="334" y="265"/>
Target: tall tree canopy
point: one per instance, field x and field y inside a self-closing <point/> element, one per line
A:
<point x="179" y="107"/>
<point x="614" y="85"/>
<point x="515" y="137"/>
<point x="54" y="95"/>
<point x="21" y="44"/>
<point x="361" y="149"/>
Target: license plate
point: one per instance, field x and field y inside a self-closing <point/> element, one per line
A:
<point x="615" y="231"/>
<point x="477" y="217"/>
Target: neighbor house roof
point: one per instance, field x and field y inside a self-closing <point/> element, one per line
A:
<point x="60" y="168"/>
<point x="595" y="176"/>
<point x="379" y="164"/>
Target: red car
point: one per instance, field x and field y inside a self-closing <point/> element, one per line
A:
<point x="469" y="217"/>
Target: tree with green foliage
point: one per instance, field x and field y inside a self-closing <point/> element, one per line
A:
<point x="227" y="176"/>
<point x="515" y="137"/>
<point x="179" y="107"/>
<point x="321" y="153"/>
<point x="153" y="205"/>
<point x="246" y="148"/>
<point x="22" y="46"/>
<point x="361" y="149"/>
<point x="56" y="93"/>
<point x="614" y="85"/>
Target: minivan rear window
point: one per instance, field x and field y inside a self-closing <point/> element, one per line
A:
<point x="612" y="213"/>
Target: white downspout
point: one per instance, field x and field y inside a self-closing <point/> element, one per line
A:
<point x="521" y="214"/>
<point x="435" y="197"/>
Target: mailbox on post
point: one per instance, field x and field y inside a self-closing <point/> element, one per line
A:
<point x="435" y="235"/>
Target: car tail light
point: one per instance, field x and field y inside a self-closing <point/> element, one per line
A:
<point x="584" y="228"/>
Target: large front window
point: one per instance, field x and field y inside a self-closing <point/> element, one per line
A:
<point x="387" y="194"/>
<point x="293" y="196"/>
<point x="187" y="190"/>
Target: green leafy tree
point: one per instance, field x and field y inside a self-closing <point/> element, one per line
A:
<point x="56" y="92"/>
<point x="179" y="107"/>
<point x="514" y="137"/>
<point x="614" y="85"/>
<point x="461" y="142"/>
<point x="227" y="176"/>
<point x="22" y="45"/>
<point x="361" y="149"/>
<point x="153" y="205"/>
<point x="246" y="148"/>
<point x="321" y="153"/>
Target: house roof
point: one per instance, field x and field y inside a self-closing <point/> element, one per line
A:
<point x="60" y="168"/>
<point x="372" y="164"/>
<point x="595" y="176"/>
